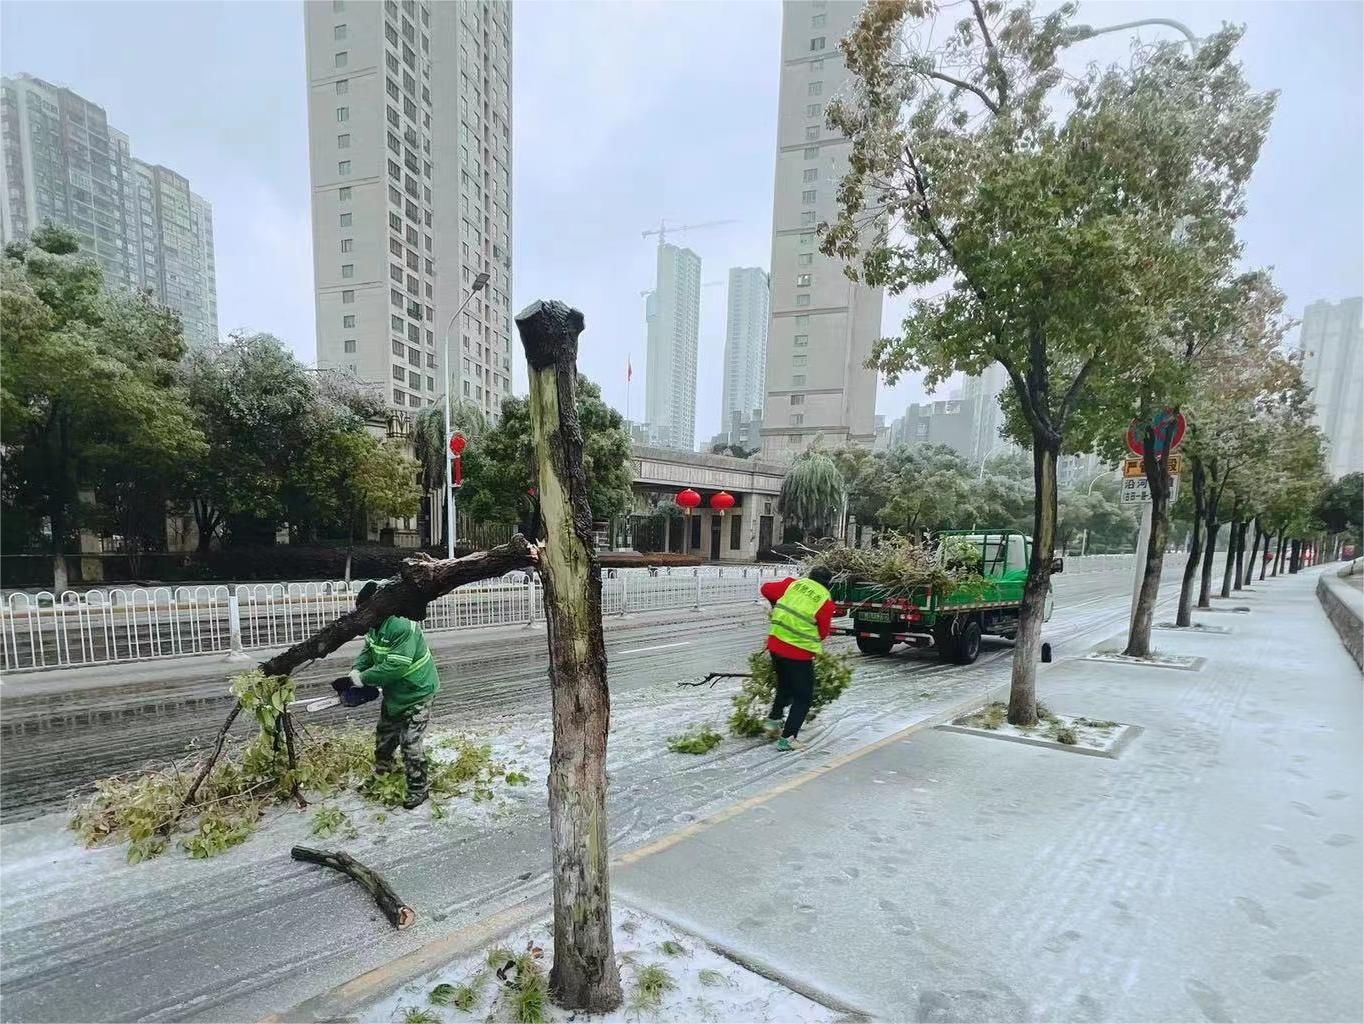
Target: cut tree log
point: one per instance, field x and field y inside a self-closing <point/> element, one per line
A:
<point x="420" y="581"/>
<point x="399" y="914"/>
<point x="585" y="975"/>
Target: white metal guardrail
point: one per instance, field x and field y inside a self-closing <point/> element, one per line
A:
<point x="100" y="627"/>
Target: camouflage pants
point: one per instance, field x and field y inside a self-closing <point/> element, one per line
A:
<point x="406" y="730"/>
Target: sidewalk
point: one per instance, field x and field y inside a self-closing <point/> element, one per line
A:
<point x="1212" y="872"/>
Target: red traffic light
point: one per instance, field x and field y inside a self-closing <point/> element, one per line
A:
<point x="457" y="443"/>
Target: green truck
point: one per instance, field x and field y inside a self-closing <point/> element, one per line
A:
<point x="953" y="623"/>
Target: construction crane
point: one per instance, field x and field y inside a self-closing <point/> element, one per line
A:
<point x="662" y="230"/>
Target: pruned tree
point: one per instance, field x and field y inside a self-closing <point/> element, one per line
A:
<point x="1049" y="239"/>
<point x="585" y="976"/>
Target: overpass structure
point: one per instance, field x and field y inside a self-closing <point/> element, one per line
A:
<point x="736" y="536"/>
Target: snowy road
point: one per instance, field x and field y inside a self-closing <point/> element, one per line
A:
<point x="87" y="937"/>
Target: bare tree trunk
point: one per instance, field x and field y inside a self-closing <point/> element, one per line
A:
<point x="1230" y="560"/>
<point x="1028" y="642"/>
<point x="1294" y="556"/>
<point x="1184" y="616"/>
<point x="1158" y="482"/>
<point x="1209" y="552"/>
<point x="1246" y="574"/>
<point x="1266" y="558"/>
<point x="585" y="975"/>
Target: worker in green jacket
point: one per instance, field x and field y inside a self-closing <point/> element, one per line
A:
<point x="395" y="661"/>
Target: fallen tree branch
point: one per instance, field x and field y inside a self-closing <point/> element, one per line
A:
<point x="399" y="914"/>
<point x="420" y="581"/>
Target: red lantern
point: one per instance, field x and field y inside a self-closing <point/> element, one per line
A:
<point x="688" y="499"/>
<point x="722" y="501"/>
<point x="457" y="443"/>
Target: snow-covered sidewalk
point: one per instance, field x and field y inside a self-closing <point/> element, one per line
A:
<point x="1212" y="871"/>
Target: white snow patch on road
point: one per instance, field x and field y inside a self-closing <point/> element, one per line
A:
<point x="707" y="986"/>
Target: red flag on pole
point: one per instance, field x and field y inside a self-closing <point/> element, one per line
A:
<point x="629" y="370"/>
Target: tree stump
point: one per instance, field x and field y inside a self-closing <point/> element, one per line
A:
<point x="585" y="975"/>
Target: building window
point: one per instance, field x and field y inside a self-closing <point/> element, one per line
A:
<point x="801" y="341"/>
<point x="348" y="270"/>
<point x="342" y="86"/>
<point x="414" y="378"/>
<point x="807" y="240"/>
<point x="812" y="132"/>
<point x="805" y="259"/>
<point x="430" y="383"/>
<point x="797" y="399"/>
<point x="338" y="5"/>
<point x="343" y="168"/>
<point x="399" y="374"/>
<point x="397" y="397"/>
<point x="399" y="349"/>
<point x="807" y="218"/>
<point x="347" y="297"/>
<point x="811" y="174"/>
<point x="343" y="194"/>
<point x="803" y="320"/>
<point x="342" y="114"/>
<point x="345" y="220"/>
<point x="799" y="360"/>
<point x="817" y="21"/>
<point x="814" y="109"/>
<point x="350" y="344"/>
<point x="396" y="322"/>
<point x="348" y="320"/>
<point x="395" y="222"/>
<point x="795" y="440"/>
<point x="814" y="89"/>
<point x="343" y="142"/>
<point x="811" y="152"/>
<point x="395" y="297"/>
<point x="798" y="380"/>
<point x="816" y="65"/>
<point x="808" y="197"/>
<point x="341" y="59"/>
<point x="816" y="44"/>
<point x="466" y="389"/>
<point x="339" y="32"/>
<point x="347" y="244"/>
<point x="803" y="299"/>
<point x="797" y="418"/>
<point x="802" y="280"/>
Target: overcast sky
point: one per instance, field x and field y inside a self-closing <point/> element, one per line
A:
<point x="625" y="113"/>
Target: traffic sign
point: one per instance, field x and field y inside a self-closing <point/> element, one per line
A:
<point x="1135" y="467"/>
<point x="1136" y="490"/>
<point x="1169" y="427"/>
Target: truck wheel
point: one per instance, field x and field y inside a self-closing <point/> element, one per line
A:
<point x="875" y="644"/>
<point x="967" y="648"/>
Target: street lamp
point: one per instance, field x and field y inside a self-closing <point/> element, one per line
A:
<point x="480" y="282"/>
<point x="1081" y="32"/>
<point x="1105" y="473"/>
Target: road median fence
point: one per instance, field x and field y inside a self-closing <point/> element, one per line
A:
<point x="123" y="624"/>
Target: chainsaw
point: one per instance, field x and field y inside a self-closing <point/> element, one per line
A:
<point x="314" y="704"/>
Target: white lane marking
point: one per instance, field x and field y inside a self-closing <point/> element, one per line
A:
<point x="658" y="647"/>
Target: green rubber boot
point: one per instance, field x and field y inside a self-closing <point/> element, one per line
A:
<point x="787" y="744"/>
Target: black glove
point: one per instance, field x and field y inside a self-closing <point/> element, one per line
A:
<point x="357" y="695"/>
<point x="342" y="685"/>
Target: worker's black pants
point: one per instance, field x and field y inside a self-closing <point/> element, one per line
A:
<point x="796" y="688"/>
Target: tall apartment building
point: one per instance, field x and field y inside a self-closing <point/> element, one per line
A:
<point x="1332" y="343"/>
<point x="65" y="164"/>
<point x="746" y="323"/>
<point x="673" y="320"/>
<point x="409" y="116"/>
<point x="982" y="394"/>
<point x="823" y="325"/>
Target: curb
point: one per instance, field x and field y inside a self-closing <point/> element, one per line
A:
<point x="1128" y="734"/>
<point x="341" y="1002"/>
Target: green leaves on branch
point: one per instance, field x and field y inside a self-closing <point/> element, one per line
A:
<point x="812" y="493"/>
<point x="833" y="675"/>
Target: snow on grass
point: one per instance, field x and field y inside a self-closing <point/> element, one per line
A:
<point x="1066" y="730"/>
<point x="666" y="975"/>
